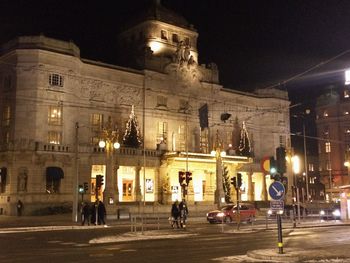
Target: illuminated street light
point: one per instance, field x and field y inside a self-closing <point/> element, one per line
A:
<point x="109" y="142"/>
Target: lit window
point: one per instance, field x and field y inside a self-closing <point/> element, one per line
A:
<point x="204" y="140"/>
<point x="346" y="93"/>
<point x="54" y="137"/>
<point x="328" y="147"/>
<point x="55" y="115"/>
<point x="164" y="35"/>
<point x="175" y="38"/>
<point x="56" y="80"/>
<point x="347" y="77"/>
<point x="347" y="131"/>
<point x="97" y="121"/>
<point x="325" y="113"/>
<point x="311" y="167"/>
<point x="6" y="115"/>
<point x="162" y="133"/>
<point x="346" y="113"/>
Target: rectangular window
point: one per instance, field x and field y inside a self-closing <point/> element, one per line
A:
<point x="56" y="80"/>
<point x="6" y="116"/>
<point x="346" y="94"/>
<point x="204" y="140"/>
<point x="311" y="167"/>
<point x="328" y="147"/>
<point x="181" y="142"/>
<point x="175" y="38"/>
<point x="97" y="121"/>
<point x="282" y="140"/>
<point x="164" y="35"/>
<point x="55" y="115"/>
<point x="54" y="137"/>
<point x="162" y="133"/>
<point x="162" y="101"/>
<point x="187" y="41"/>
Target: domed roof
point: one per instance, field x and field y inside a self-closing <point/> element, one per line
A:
<point x="160" y="13"/>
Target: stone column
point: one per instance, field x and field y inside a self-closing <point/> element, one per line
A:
<point x="250" y="186"/>
<point x="138" y="193"/>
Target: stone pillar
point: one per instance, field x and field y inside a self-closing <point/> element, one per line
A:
<point x="250" y="186"/>
<point x="264" y="189"/>
<point x="109" y="193"/>
<point x="138" y="193"/>
<point x="219" y="191"/>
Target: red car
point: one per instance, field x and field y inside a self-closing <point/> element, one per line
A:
<point x="228" y="214"/>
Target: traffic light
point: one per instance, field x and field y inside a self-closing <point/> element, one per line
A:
<point x="86" y="187"/>
<point x="188" y="177"/>
<point x="284" y="180"/>
<point x="81" y="189"/>
<point x="99" y="181"/>
<point x="281" y="159"/>
<point x="102" y="180"/>
<point x="182" y="177"/>
<point x="234" y="181"/>
<point x="239" y="180"/>
<point x="273" y="168"/>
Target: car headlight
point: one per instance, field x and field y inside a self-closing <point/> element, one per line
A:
<point x="336" y="212"/>
<point x="322" y="213"/>
<point x="221" y="214"/>
<point x="207" y="214"/>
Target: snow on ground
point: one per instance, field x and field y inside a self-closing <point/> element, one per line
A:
<point x="139" y="236"/>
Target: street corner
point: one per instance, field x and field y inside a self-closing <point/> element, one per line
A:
<point x="272" y="255"/>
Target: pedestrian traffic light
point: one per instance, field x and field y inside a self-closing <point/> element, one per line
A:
<point x="86" y="187"/>
<point x="182" y="177"/>
<point x="239" y="180"/>
<point x="81" y="189"/>
<point x="281" y="159"/>
<point x="188" y="177"/>
<point x="234" y="181"/>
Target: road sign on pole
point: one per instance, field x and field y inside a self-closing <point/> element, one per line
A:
<point x="277" y="190"/>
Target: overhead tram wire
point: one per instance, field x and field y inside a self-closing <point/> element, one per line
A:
<point x="308" y="70"/>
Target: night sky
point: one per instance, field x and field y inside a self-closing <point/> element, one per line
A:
<point x="255" y="43"/>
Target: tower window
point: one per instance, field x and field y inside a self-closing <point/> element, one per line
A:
<point x="56" y="80"/>
<point x="175" y="38"/>
<point x="164" y="35"/>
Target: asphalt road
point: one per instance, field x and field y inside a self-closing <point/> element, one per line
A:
<point x="201" y="242"/>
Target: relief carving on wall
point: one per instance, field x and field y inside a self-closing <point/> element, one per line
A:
<point x="129" y="95"/>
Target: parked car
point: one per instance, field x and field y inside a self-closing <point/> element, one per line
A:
<point x="228" y="214"/>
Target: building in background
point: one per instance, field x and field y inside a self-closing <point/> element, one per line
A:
<point x="169" y="113"/>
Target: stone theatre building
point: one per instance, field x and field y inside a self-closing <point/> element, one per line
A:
<point x="56" y="106"/>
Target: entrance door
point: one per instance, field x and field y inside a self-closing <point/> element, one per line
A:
<point x="128" y="190"/>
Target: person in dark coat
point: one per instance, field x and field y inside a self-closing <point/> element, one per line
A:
<point x="101" y="213"/>
<point x="19" y="208"/>
<point x="183" y="213"/>
<point x="175" y="213"/>
<point x="85" y="214"/>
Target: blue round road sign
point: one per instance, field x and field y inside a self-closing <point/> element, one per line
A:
<point x="277" y="190"/>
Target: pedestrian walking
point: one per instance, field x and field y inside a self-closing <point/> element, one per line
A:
<point x="183" y="213"/>
<point x="85" y="214"/>
<point x="175" y="213"/>
<point x="101" y="211"/>
<point x="19" y="208"/>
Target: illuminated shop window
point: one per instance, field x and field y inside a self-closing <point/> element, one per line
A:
<point x="56" y="80"/>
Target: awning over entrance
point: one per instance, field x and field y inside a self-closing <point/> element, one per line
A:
<point x="54" y="173"/>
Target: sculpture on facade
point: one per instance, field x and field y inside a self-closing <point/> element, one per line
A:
<point x="22" y="180"/>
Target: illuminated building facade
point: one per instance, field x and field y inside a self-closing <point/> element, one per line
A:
<point x="55" y="107"/>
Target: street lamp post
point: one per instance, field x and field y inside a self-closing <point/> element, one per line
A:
<point x="296" y="170"/>
<point x="219" y="192"/>
<point x="110" y="143"/>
